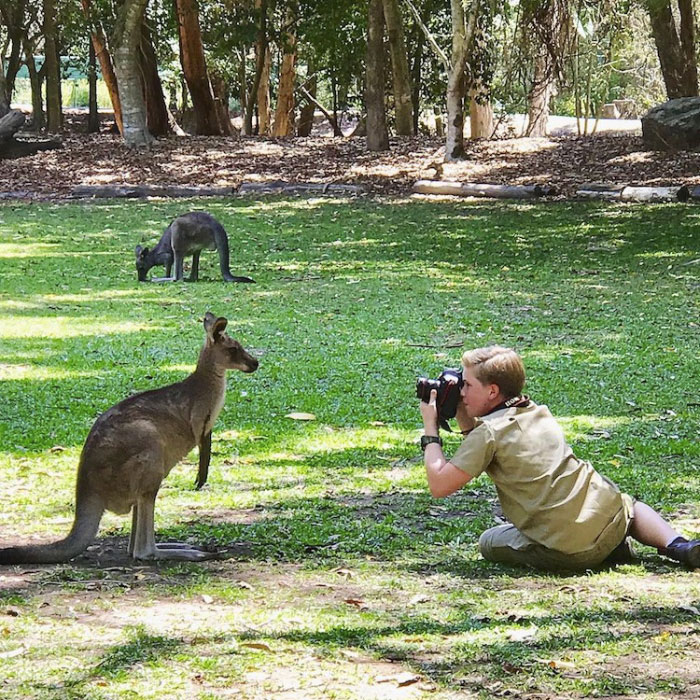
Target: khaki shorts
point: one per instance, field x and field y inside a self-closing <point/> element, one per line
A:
<point x="505" y="544"/>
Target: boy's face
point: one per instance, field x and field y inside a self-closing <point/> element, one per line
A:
<point x="478" y="398"/>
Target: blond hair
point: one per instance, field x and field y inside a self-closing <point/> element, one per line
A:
<point x="497" y="365"/>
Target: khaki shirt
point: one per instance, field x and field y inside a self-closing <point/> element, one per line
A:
<point x="549" y="494"/>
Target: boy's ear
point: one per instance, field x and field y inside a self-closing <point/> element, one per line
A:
<point x="494" y="390"/>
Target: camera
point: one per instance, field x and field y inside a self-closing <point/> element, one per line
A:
<point x="448" y="385"/>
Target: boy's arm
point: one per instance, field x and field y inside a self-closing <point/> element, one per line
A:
<point x="443" y="477"/>
<point x="465" y="423"/>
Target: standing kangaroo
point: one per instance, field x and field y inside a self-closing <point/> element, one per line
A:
<point x="133" y="446"/>
<point x="188" y="234"/>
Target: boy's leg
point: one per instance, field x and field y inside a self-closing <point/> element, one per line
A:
<point x="649" y="528"/>
<point x="505" y="544"/>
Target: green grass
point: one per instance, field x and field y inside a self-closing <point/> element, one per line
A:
<point x="345" y="572"/>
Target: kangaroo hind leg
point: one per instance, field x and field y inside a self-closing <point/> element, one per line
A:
<point x="144" y="541"/>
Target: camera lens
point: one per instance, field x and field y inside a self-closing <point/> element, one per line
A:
<point x="424" y="386"/>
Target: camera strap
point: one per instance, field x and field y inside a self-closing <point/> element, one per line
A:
<point x="514" y="402"/>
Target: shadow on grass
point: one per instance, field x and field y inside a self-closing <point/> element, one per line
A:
<point x="460" y="654"/>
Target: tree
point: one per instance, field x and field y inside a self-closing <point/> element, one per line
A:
<point x="377" y="134"/>
<point x="98" y="39"/>
<point x="544" y="27"/>
<point x="675" y="46"/>
<point x="261" y="44"/>
<point x="284" y="111"/>
<point x="403" y="107"/>
<point x="54" y="114"/>
<point x="463" y="26"/>
<point x="13" y="15"/>
<point x="156" y="109"/>
<point x="195" y="69"/>
<point x="126" y="39"/>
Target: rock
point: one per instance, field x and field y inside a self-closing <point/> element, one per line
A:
<point x="610" y="111"/>
<point x="673" y="125"/>
<point x="627" y="108"/>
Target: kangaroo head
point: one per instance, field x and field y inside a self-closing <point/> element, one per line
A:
<point x="226" y="351"/>
<point x="143" y="264"/>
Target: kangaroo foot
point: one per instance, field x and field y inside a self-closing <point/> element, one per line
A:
<point x="177" y="553"/>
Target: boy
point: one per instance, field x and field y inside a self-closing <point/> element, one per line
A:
<point x="564" y="514"/>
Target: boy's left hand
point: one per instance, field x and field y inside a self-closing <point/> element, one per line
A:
<point x="430" y="414"/>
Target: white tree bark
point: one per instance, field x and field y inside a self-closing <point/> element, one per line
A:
<point x="127" y="36"/>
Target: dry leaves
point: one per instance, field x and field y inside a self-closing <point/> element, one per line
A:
<point x="301" y="416"/>
<point x="227" y="162"/>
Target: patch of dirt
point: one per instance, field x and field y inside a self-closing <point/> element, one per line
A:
<point x="563" y="161"/>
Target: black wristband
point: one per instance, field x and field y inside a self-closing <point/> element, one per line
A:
<point x="429" y="439"/>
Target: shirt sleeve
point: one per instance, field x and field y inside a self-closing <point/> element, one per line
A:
<point x="476" y="451"/>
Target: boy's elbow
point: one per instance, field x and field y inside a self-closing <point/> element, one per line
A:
<point x="438" y="491"/>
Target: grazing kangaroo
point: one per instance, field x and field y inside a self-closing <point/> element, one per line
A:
<point x="133" y="446"/>
<point x="188" y="234"/>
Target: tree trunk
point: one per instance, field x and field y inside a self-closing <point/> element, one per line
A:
<point x="54" y="114"/>
<point x="263" y="96"/>
<point x="35" y="80"/>
<point x="284" y="112"/>
<point x="541" y="93"/>
<point x="93" y="125"/>
<point x="377" y="134"/>
<point x="156" y="109"/>
<point x="126" y="41"/>
<point x="456" y="85"/>
<point x="677" y="58"/>
<point x="687" y="37"/>
<point x="403" y="106"/>
<point x="12" y="15"/>
<point x="306" y="115"/>
<point x="262" y="40"/>
<point x="332" y="119"/>
<point x="480" y="114"/>
<point x="463" y="27"/>
<point x="99" y="43"/>
<point x="4" y="98"/>
<point x="195" y="69"/>
<point x="417" y="41"/>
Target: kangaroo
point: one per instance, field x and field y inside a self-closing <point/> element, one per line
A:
<point x="188" y="234"/>
<point x="133" y="446"/>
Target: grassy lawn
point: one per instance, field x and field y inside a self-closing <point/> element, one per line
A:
<point x="345" y="578"/>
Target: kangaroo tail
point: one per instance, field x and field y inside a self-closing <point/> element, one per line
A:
<point x="88" y="513"/>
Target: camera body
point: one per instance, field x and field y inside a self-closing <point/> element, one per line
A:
<point x="448" y="386"/>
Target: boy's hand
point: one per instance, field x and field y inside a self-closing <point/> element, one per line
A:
<point x="430" y="414"/>
<point x="464" y="421"/>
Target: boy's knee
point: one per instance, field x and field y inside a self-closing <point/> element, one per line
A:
<point x="486" y="543"/>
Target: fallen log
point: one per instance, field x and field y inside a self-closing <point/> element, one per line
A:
<point x="140" y="191"/>
<point x="470" y="189"/>
<point x="19" y="148"/>
<point x="626" y="193"/>
<point x="10" y="147"/>
<point x="278" y="187"/>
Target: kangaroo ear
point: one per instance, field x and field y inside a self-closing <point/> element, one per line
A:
<point x="214" y="326"/>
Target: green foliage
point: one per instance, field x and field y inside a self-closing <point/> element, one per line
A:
<point x="339" y="553"/>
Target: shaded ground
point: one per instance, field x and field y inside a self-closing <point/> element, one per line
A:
<point x="564" y="161"/>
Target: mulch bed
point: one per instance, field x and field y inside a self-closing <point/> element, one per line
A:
<point x="565" y="162"/>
